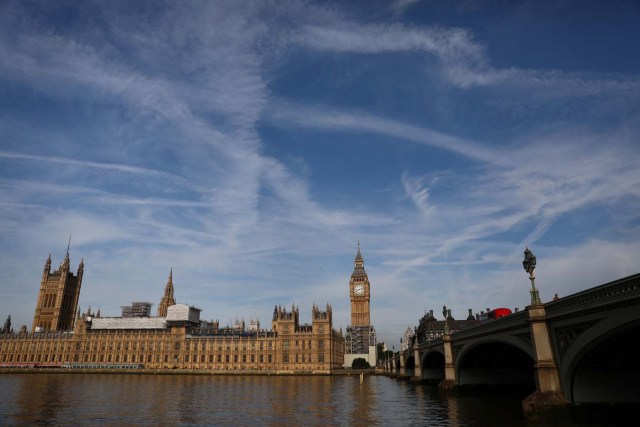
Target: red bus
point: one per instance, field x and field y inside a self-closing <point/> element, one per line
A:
<point x="494" y="314"/>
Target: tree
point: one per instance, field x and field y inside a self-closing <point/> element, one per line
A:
<point x="360" y="363"/>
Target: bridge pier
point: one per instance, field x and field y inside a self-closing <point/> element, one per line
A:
<point x="417" y="370"/>
<point x="548" y="394"/>
<point x="449" y="382"/>
<point x="391" y="366"/>
<point x="402" y="372"/>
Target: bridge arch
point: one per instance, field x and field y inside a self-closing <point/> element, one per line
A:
<point x="506" y="361"/>
<point x="432" y="365"/>
<point x="598" y="364"/>
<point x="410" y="365"/>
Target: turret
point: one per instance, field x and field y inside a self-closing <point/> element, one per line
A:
<point x="58" y="296"/>
<point x="66" y="262"/>
<point x="168" y="298"/>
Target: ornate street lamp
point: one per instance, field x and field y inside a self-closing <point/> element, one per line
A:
<point x="529" y="265"/>
<point x="446" y="319"/>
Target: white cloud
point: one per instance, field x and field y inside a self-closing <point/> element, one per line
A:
<point x="333" y="119"/>
<point x="417" y="192"/>
<point x="400" y="6"/>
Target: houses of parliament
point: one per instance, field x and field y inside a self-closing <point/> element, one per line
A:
<point x="176" y="338"/>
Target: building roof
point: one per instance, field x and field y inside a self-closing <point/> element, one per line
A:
<point x="128" y="323"/>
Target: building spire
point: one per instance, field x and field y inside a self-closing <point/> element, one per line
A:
<point x="168" y="299"/>
<point x="168" y="290"/>
<point x="47" y="265"/>
<point x="66" y="257"/>
<point x="358" y="255"/>
<point x="358" y="263"/>
<point x="68" y="246"/>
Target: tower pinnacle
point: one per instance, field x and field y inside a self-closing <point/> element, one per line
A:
<point x="358" y="262"/>
<point x="168" y="298"/>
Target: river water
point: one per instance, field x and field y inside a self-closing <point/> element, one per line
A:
<point x="198" y="400"/>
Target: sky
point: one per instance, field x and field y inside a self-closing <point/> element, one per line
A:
<point x="249" y="146"/>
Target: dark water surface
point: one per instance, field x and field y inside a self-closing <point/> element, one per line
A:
<point x="198" y="400"/>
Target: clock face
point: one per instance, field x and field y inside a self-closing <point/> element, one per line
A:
<point x="358" y="290"/>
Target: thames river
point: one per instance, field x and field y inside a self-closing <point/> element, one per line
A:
<point x="199" y="400"/>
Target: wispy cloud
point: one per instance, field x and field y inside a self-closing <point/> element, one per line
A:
<point x="86" y="164"/>
<point x="333" y="119"/>
<point x="464" y="60"/>
<point x="417" y="192"/>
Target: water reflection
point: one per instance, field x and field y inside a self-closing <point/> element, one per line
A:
<point x="199" y="400"/>
<point x="363" y="394"/>
<point x="40" y="399"/>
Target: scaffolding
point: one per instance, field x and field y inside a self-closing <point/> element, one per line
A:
<point x="137" y="309"/>
<point x="359" y="339"/>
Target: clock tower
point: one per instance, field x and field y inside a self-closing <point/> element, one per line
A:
<point x="360" y="339"/>
<point x="359" y="291"/>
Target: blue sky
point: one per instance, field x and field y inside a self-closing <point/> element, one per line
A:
<point x="250" y="145"/>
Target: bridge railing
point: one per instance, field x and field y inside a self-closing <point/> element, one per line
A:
<point x="622" y="291"/>
<point x="510" y="321"/>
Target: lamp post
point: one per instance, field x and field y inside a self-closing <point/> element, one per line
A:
<point x="446" y="319"/>
<point x="529" y="265"/>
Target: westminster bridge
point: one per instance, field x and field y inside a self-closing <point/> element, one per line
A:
<point x="579" y="349"/>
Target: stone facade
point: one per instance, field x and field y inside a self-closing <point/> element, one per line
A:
<point x="58" y="297"/>
<point x="180" y="340"/>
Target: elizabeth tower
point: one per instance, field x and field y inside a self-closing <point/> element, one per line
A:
<point x="359" y="291"/>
